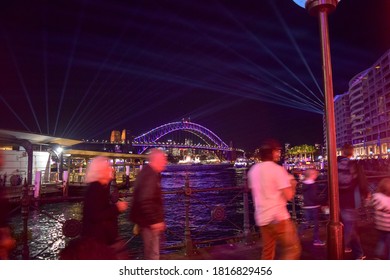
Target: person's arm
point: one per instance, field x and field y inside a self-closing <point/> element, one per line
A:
<point x="289" y="192"/>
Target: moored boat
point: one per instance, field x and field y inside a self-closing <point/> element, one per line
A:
<point x="242" y="163"/>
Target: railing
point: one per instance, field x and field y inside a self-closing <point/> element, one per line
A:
<point x="195" y="217"/>
<point x="201" y="217"/>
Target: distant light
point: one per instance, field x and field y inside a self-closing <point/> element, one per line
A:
<point x="59" y="150"/>
<point x="300" y="3"/>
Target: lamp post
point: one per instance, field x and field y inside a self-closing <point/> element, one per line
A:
<point x="322" y="8"/>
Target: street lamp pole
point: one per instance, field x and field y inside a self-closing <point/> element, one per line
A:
<point x="322" y="8"/>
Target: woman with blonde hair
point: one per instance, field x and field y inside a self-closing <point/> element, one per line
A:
<point x="100" y="215"/>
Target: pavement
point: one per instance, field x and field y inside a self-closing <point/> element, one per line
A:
<point x="252" y="250"/>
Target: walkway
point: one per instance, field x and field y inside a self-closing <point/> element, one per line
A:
<point x="241" y="251"/>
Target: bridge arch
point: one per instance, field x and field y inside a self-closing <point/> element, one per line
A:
<point x="200" y="131"/>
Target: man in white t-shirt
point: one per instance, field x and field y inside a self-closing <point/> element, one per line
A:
<point x="272" y="186"/>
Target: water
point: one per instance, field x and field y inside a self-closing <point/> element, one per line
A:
<point x="45" y="223"/>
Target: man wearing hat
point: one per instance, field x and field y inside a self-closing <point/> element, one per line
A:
<point x="272" y="186"/>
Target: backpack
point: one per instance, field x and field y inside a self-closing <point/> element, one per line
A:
<point x="347" y="173"/>
<point x="351" y="175"/>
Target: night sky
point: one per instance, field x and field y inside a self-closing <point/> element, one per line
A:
<point x="245" y="69"/>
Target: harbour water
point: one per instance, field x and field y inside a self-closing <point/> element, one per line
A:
<point x="207" y="183"/>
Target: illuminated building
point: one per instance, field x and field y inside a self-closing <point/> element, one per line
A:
<point x="363" y="113"/>
<point x="115" y="136"/>
<point x="343" y="119"/>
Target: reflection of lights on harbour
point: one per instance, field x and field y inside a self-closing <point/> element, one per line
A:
<point x="46" y="234"/>
<point x="45" y="225"/>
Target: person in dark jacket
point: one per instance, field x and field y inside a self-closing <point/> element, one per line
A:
<point x="147" y="210"/>
<point x="100" y="215"/>
<point x="352" y="190"/>
<point x="311" y="205"/>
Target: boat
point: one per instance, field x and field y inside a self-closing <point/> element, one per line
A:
<point x="189" y="161"/>
<point x="242" y="163"/>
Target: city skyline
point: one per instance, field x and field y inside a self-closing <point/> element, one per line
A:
<point x="247" y="71"/>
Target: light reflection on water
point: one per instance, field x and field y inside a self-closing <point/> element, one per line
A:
<point x="45" y="224"/>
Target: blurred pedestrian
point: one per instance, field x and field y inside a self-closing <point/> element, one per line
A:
<point x="311" y="205"/>
<point x="353" y="189"/>
<point x="381" y="203"/>
<point x="100" y="215"/>
<point x="7" y="242"/>
<point x="147" y="211"/>
<point x="272" y="187"/>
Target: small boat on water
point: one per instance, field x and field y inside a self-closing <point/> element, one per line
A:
<point x="242" y="163"/>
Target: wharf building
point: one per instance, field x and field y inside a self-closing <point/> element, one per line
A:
<point x="363" y="112"/>
<point x="47" y="159"/>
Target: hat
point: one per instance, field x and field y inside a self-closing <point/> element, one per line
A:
<point x="271" y="144"/>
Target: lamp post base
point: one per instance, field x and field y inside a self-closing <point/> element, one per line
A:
<point x="335" y="241"/>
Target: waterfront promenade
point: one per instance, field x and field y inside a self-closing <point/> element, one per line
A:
<point x="236" y="249"/>
<point x="252" y="251"/>
<point x="203" y="201"/>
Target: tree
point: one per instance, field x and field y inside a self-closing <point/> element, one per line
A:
<point x="302" y="151"/>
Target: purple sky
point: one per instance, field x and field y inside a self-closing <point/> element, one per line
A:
<point x="247" y="70"/>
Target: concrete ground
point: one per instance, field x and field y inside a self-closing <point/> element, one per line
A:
<point x="252" y="250"/>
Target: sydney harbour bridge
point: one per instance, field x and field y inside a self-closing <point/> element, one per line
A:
<point x="182" y="135"/>
<point x="179" y="139"/>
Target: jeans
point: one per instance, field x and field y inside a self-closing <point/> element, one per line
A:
<point x="151" y="240"/>
<point x="350" y="217"/>
<point x="285" y="233"/>
<point x="311" y="216"/>
<point x="383" y="245"/>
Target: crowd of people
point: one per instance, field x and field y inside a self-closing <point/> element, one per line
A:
<point x="271" y="188"/>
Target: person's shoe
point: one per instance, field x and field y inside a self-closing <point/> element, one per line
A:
<point x="347" y="250"/>
<point x="363" y="257"/>
<point x="318" y="243"/>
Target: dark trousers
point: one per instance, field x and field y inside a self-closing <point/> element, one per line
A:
<point x="311" y="217"/>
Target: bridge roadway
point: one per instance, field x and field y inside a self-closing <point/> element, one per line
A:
<point x="252" y="251"/>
